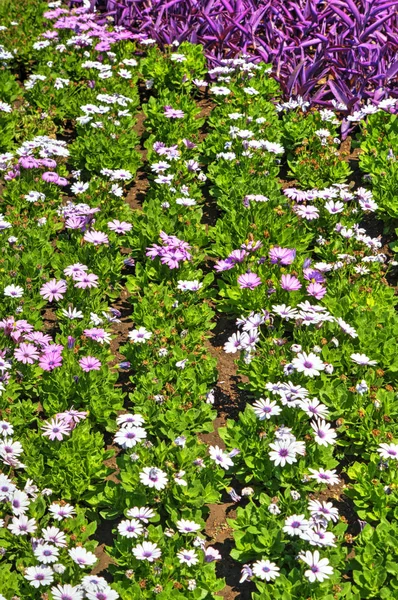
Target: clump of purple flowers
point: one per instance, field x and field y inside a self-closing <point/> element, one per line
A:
<point x="78" y="216"/>
<point x="171" y="252"/>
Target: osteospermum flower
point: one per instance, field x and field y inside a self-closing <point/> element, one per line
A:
<point x="249" y="281"/>
<point x="220" y="457"/>
<point x="56" y="429"/>
<point x="308" y="364"/>
<point x="313" y="407"/>
<point x="188" y="557"/>
<point x="102" y="594"/>
<point x="72" y="313"/>
<point x="147" y="551"/>
<point x="55" y="536"/>
<point x="126" y="420"/>
<point x="86" y="280"/>
<point x="6" y="430"/>
<point x="96" y="237"/>
<point x="362" y="359"/>
<point x="153" y="478"/>
<point x="10" y="449"/>
<point x="75" y="269"/>
<point x="119" y="226"/>
<point x="282" y="256"/>
<point x="72" y="416"/>
<point x="22" y="525"/>
<point x="323" y="510"/>
<point x="50" y="360"/>
<point x="265" y="409"/>
<point x="130" y="528"/>
<point x="324" y="434"/>
<point x="82" y="557"/>
<point x="234" y="343"/>
<point x="185" y="526"/>
<point x="307" y="212"/>
<point x="282" y="452"/>
<point x="19" y="503"/>
<point x="13" y="291"/>
<point x="39" y="575"/>
<point x="285" y="312"/>
<point x="26" y="353"/>
<point x="189" y="286"/>
<point x="66" y="592"/>
<point x="7" y="487"/>
<point x="387" y="451"/>
<point x="99" y="335"/>
<point x="319" y="567"/>
<point x="128" y="437"/>
<point x="90" y="363"/>
<point x="334" y="207"/>
<point x="325" y="476"/>
<point x="290" y="283"/>
<point x="61" y="511"/>
<point x="140" y="335"/>
<point x="94" y="582"/>
<point x="173" y="113"/>
<point x="46" y="553"/>
<point x="295" y="525"/>
<point x="211" y="554"/>
<point x="316" y="290"/>
<point x="265" y="570"/>
<point x="317" y="536"/>
<point x="53" y="290"/>
<point x="142" y="513"/>
<point x="246" y="574"/>
<point x="5" y="365"/>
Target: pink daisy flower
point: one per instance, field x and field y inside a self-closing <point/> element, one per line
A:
<point x="119" y="226"/>
<point x="96" y="237"/>
<point x="89" y="363"/>
<point x="50" y="360"/>
<point x="53" y="290"/>
<point x="249" y="281"/>
<point x="56" y="429"/>
<point x="317" y="290"/>
<point x="75" y="269"/>
<point x="26" y="354"/>
<point x="86" y="280"/>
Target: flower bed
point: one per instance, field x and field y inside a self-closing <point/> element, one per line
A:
<point x="108" y="379"/>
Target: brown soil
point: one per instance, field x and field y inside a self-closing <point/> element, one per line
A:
<point x="229" y="401"/>
<point x="112" y="464"/>
<point x="137" y="191"/>
<point x="120" y="330"/>
<point x="220" y="534"/>
<point x="206" y="105"/>
<point x="104" y="560"/>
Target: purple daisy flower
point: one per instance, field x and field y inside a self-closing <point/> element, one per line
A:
<point x="90" y="363"/>
<point x="290" y="283"/>
<point x="249" y="281"/>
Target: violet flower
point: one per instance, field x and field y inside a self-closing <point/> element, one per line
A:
<point x="249" y="281"/>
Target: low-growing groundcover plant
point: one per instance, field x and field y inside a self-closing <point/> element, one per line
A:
<point x="107" y="380"/>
